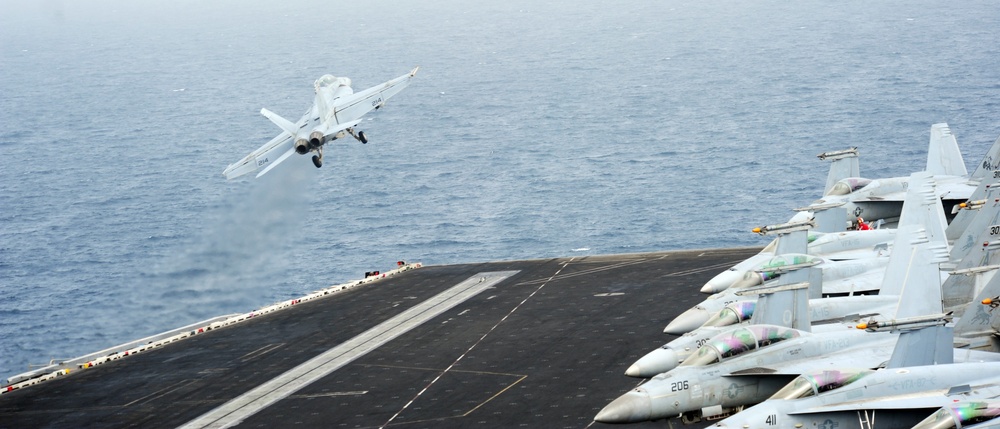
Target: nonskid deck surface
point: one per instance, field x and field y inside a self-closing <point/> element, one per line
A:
<point x="540" y="343"/>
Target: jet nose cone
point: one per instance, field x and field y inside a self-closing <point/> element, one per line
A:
<point x="722" y="281"/>
<point x="631" y="407"/>
<point x="803" y="216"/>
<point x="687" y="321"/>
<point x="711" y="288"/>
<point x="655" y="362"/>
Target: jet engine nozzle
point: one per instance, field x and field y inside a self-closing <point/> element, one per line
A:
<point x="317" y="139"/>
<point x="302" y="146"/>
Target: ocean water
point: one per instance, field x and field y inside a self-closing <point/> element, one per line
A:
<point x="533" y="130"/>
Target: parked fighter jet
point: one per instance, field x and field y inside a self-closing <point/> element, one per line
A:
<point x="918" y="380"/>
<point x="834" y="246"/>
<point x="337" y="109"/>
<point x="840" y="278"/>
<point x="749" y="364"/>
<point x="744" y="366"/>
<point x="826" y="314"/>
<point x="883" y="198"/>
<point x="965" y="414"/>
<point x="944" y="161"/>
<point x="820" y="310"/>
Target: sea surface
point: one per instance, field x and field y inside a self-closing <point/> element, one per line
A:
<point x="532" y="130"/>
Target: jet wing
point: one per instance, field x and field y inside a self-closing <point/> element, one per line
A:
<point x="354" y="106"/>
<point x="867" y="356"/>
<point x="954" y="189"/>
<point x="931" y="399"/>
<point x="267" y="156"/>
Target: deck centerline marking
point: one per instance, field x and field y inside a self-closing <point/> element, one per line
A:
<point x="473" y="346"/>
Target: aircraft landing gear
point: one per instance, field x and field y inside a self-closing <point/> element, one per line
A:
<point x="359" y="136"/>
<point x="318" y="159"/>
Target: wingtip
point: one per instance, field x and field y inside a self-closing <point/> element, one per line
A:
<point x="414" y="71"/>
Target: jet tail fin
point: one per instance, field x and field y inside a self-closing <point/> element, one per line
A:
<point x="990" y="163"/>
<point x="782" y="305"/>
<point x="978" y="317"/>
<point x="844" y="164"/>
<point x="923" y="338"/>
<point x="926" y="346"/>
<point x="913" y="273"/>
<point x="921" y="221"/>
<point x="922" y="207"/>
<point x="963" y="218"/>
<point x="943" y="156"/>
<point x="971" y="253"/>
<point x="831" y="220"/>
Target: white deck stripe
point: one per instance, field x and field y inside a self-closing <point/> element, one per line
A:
<point x="236" y="410"/>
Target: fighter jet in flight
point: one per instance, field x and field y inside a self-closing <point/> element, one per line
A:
<point x="337" y="109"/>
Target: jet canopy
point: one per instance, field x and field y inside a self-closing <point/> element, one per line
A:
<point x="847" y="186"/>
<point x="329" y="81"/>
<point x="807" y="385"/>
<point x="789" y="259"/>
<point x="732" y="314"/>
<point x="960" y="415"/>
<point x="769" y="269"/>
<point x="733" y="343"/>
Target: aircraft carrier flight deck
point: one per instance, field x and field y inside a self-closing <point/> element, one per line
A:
<point x="536" y="343"/>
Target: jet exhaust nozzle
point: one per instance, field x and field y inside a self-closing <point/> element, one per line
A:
<point x="317" y="139"/>
<point x="302" y="146"/>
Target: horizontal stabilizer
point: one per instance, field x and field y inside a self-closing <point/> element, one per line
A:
<point x="282" y="123"/>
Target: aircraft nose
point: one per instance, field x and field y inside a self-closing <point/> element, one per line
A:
<point x="631" y="407"/>
<point x="688" y="321"/>
<point x="722" y="281"/>
<point x="655" y="362"/>
<point x="802" y="216"/>
<point x="748" y="281"/>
